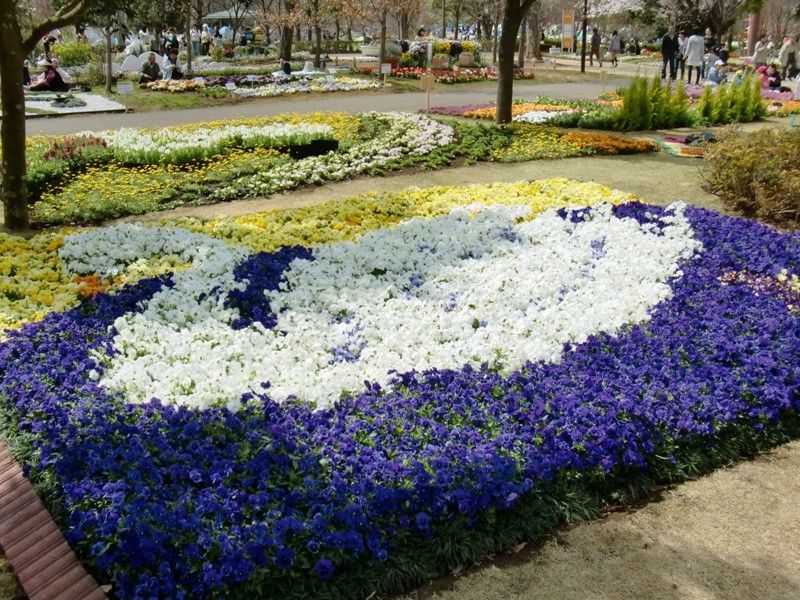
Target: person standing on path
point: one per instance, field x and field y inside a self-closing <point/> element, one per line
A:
<point x="681" y="58"/>
<point x="710" y="42"/>
<point x="595" y="50"/>
<point x="760" y="52"/>
<point x="669" y="54"/>
<point x="787" y="55"/>
<point x="615" y="47"/>
<point x="695" y="50"/>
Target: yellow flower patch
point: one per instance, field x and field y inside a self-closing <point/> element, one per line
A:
<point x="517" y="109"/>
<point x="32" y="282"/>
<point x="347" y="219"/>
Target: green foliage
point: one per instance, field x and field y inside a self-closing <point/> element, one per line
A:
<point x="652" y="106"/>
<point x="216" y="53"/>
<point x="73" y="54"/>
<point x="734" y="103"/>
<point x="571" y="497"/>
<point x="757" y="174"/>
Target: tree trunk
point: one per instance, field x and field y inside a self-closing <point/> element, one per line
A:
<point x="317" y="44"/>
<point x="494" y="42"/>
<point x="512" y="17"/>
<point x="752" y="32"/>
<point x="383" y="41"/>
<point x="405" y="25"/>
<point x="109" y="74"/>
<point x="523" y="41"/>
<point x="444" y="18"/>
<point x="286" y="42"/>
<point x="535" y="45"/>
<point x="189" y="43"/>
<point x="457" y="17"/>
<point x="12" y="126"/>
<point x="338" y="25"/>
<point x="349" y="35"/>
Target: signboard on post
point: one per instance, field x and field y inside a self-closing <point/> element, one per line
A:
<point x="568" y="30"/>
<point x="124" y="88"/>
<point x="426" y="83"/>
<point x="230" y="86"/>
<point x="386" y="68"/>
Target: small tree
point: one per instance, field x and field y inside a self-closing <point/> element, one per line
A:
<point x="14" y="47"/>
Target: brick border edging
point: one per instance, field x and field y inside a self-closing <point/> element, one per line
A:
<point x="45" y="565"/>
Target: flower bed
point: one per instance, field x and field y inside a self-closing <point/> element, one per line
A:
<point x="394" y="140"/>
<point x="176" y="146"/>
<point x="456" y="74"/>
<point x="342" y="84"/>
<point x="506" y="412"/>
<point x="531" y="142"/>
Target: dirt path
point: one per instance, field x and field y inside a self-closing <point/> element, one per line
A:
<point x="733" y="535"/>
<point x="656" y="178"/>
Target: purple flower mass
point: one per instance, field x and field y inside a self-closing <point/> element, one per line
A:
<point x="171" y="502"/>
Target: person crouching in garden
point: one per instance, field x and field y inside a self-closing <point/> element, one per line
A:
<point x="150" y="70"/>
<point x="669" y="54"/>
<point x="170" y="64"/>
<point x="50" y="80"/>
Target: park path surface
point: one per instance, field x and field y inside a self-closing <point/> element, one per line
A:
<point x="656" y="178"/>
<point x="355" y="102"/>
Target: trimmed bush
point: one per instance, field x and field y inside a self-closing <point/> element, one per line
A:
<point x="757" y="174"/>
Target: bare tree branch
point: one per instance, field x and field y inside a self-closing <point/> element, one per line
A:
<point x="66" y="15"/>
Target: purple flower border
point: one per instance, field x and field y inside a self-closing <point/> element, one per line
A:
<point x="172" y="502"/>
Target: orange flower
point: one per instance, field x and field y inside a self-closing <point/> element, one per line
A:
<point x="90" y="286"/>
<point x="605" y="143"/>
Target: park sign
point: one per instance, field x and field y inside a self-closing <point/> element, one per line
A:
<point x="567" y="30"/>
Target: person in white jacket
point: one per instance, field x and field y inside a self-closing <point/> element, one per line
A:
<point x="695" y="50"/>
<point x="761" y="52"/>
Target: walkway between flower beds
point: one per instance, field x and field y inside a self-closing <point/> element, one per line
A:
<point x="657" y="178"/>
<point x="45" y="565"/>
<point x="733" y="534"/>
<point x="351" y="102"/>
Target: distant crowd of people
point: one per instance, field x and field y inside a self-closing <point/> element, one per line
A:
<point x="704" y="57"/>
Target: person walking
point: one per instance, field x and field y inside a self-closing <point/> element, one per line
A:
<point x="614" y="47"/>
<point x="786" y="55"/>
<point x="669" y="53"/>
<point x="595" y="49"/>
<point x="760" y="52"/>
<point x="681" y="59"/>
<point x="695" y="50"/>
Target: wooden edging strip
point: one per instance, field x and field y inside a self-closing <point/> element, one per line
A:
<point x="45" y="565"/>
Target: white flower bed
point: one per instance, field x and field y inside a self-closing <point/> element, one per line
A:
<point x="170" y="143"/>
<point x="473" y="286"/>
<point x="406" y="135"/>
<point x="343" y="84"/>
<point x="540" y="116"/>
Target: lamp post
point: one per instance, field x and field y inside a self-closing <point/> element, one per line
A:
<point x="583" y="41"/>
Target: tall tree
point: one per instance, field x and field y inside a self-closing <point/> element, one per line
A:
<point x="14" y="47"/>
<point x="513" y="15"/>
